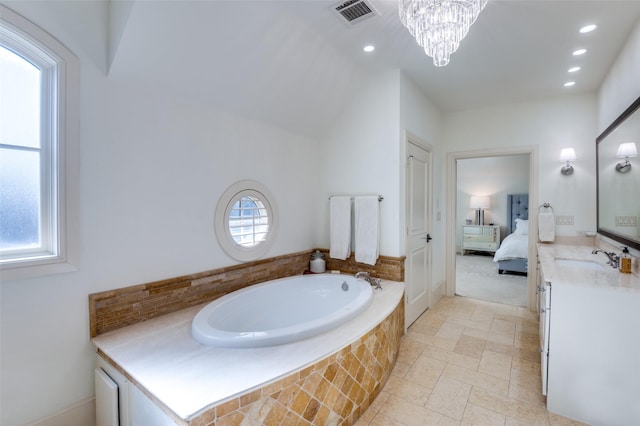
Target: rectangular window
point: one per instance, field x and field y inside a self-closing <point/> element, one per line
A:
<point x="20" y="157"/>
<point x="38" y="102"/>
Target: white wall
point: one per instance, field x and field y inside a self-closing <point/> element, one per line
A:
<point x="422" y="120"/>
<point x="152" y="169"/>
<point x="621" y="86"/>
<point x="363" y="153"/>
<point x="550" y="125"/>
<point x="360" y="155"/>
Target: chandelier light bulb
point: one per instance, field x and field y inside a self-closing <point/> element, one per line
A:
<point x="439" y="25"/>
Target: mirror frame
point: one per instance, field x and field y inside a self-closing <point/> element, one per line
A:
<point x="635" y="106"/>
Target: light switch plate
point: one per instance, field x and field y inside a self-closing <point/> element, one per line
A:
<point x="564" y="220"/>
<point x="626" y="220"/>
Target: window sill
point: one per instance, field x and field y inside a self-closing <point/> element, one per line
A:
<point x="26" y="270"/>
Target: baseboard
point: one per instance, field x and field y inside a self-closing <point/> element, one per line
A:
<point x="437" y="294"/>
<point x="81" y="414"/>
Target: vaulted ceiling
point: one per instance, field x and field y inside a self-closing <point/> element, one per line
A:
<point x="296" y="63"/>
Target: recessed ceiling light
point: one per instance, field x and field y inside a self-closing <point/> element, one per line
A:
<point x="574" y="69"/>
<point x="369" y="48"/>
<point x="579" y="52"/>
<point x="588" y="28"/>
<point x="569" y="83"/>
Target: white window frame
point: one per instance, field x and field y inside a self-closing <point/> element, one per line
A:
<point x="59" y="149"/>
<point x="222" y="225"/>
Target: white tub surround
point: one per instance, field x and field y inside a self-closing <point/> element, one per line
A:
<point x="593" y="350"/>
<point x="187" y="379"/>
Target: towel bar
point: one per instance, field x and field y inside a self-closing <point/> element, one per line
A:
<point x="545" y="206"/>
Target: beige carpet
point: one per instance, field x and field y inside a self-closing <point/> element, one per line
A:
<point x="477" y="277"/>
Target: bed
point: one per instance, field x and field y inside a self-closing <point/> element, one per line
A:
<point x="512" y="254"/>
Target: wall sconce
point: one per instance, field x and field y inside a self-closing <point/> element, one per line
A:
<point x="568" y="155"/>
<point x="479" y="203"/>
<point x="626" y="150"/>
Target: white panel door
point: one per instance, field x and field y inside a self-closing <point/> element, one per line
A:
<point x="418" y="273"/>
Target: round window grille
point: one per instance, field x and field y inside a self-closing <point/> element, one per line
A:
<point x="245" y="220"/>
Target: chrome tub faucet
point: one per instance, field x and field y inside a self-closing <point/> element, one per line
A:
<point x="375" y="282"/>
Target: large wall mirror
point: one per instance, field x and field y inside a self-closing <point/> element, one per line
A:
<point x="619" y="178"/>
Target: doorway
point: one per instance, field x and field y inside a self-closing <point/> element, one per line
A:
<point x="452" y="203"/>
<point x="488" y="181"/>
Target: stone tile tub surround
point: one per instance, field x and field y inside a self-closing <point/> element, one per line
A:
<point x="113" y="309"/>
<point x="327" y="379"/>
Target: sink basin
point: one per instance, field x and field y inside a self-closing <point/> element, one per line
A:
<point x="581" y="264"/>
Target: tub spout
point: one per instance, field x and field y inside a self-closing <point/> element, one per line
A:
<point x="364" y="275"/>
<point x="375" y="282"/>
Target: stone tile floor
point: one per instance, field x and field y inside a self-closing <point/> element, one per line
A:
<point x="466" y="362"/>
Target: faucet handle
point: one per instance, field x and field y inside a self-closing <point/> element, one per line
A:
<point x="376" y="283"/>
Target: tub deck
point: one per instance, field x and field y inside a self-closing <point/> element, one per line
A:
<point x="161" y="358"/>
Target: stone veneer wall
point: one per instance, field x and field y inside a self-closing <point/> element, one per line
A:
<point x="113" y="309"/>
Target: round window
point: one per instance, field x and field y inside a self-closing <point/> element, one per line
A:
<point x="245" y="220"/>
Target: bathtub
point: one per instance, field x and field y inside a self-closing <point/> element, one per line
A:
<point x="342" y="369"/>
<point x="281" y="311"/>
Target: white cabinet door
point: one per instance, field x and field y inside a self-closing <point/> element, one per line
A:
<point x="593" y="353"/>
<point x="544" y="291"/>
<point x="106" y="399"/>
<point x="120" y="403"/>
<point x="143" y="412"/>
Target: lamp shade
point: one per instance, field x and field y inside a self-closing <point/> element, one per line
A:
<point x="627" y="150"/>
<point x="568" y="154"/>
<point x="479" y="202"/>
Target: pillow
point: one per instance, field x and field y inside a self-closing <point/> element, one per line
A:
<point x="522" y="227"/>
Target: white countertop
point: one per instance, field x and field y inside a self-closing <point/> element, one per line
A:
<point x="186" y="376"/>
<point x="607" y="276"/>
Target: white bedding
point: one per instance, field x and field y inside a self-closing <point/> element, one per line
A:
<point x="513" y="247"/>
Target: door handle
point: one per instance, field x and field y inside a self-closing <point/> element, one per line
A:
<point x="428" y="238"/>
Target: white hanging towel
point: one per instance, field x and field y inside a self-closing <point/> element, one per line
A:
<point x="546" y="226"/>
<point x="367" y="224"/>
<point x="340" y="227"/>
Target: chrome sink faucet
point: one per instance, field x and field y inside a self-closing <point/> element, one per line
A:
<point x="375" y="282"/>
<point x="614" y="259"/>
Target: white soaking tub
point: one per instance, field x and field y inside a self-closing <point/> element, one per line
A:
<point x="281" y="311"/>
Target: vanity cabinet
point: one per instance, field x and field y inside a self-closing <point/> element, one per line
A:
<point x="544" y="309"/>
<point x="120" y="403"/>
<point x="589" y="325"/>
<point x="480" y="238"/>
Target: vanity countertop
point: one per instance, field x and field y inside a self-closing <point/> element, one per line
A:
<point x="186" y="376"/>
<point x="606" y="276"/>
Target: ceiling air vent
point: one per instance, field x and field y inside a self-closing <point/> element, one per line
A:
<point x="355" y="11"/>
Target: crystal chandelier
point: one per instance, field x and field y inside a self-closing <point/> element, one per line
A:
<point x="439" y="25"/>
